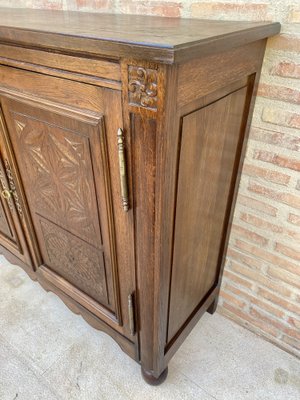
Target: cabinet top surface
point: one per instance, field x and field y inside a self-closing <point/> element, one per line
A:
<point x="133" y="36"/>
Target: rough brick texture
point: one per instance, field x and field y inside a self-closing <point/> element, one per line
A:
<point x="261" y="286"/>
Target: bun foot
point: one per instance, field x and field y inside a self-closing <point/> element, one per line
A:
<point x="152" y="380"/>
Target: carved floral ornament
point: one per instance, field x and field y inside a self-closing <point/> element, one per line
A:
<point x="142" y="87"/>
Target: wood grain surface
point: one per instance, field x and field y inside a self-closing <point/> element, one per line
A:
<point x="115" y="36"/>
<point x="182" y="92"/>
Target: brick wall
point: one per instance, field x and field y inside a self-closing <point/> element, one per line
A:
<point x="261" y="287"/>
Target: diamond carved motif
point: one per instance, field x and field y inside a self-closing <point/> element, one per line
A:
<point x="142" y="87"/>
<point x="78" y="262"/>
<point x="58" y="164"/>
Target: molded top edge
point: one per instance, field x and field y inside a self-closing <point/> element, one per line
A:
<point x="132" y="36"/>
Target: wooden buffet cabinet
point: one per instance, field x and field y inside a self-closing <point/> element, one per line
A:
<point x="121" y="141"/>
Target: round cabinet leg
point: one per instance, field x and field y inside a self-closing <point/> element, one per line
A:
<point x="151" y="380"/>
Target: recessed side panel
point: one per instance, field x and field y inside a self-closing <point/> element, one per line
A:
<point x="209" y="140"/>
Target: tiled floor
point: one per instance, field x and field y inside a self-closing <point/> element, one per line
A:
<point x="48" y="353"/>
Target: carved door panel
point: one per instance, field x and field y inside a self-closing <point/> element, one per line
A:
<point x="62" y="158"/>
<point x="12" y="218"/>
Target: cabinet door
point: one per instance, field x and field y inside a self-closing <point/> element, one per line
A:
<point x="62" y="157"/>
<point x="12" y="218"/>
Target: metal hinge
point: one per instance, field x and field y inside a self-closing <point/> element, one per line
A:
<point x="131" y="314"/>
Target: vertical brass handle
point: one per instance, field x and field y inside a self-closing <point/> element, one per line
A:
<point x="123" y="170"/>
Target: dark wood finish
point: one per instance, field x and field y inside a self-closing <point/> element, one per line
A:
<point x="182" y="92"/>
<point x="151" y="380"/>
<point x="13" y="227"/>
<point x="86" y="69"/>
<point x="156" y="39"/>
<point x="213" y="307"/>
<point x="208" y="148"/>
<point x="59" y="116"/>
<point x="63" y="166"/>
<point x="96" y="68"/>
<point x="234" y="64"/>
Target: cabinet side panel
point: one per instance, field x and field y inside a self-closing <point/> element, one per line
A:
<point x="209" y="141"/>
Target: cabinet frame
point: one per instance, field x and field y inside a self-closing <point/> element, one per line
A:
<point x="145" y="87"/>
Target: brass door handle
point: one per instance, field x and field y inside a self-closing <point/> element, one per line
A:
<point x="123" y="170"/>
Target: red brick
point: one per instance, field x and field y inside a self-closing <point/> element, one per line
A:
<point x="277" y="159"/>
<point x="294" y="322"/>
<point x="284" y="276"/>
<point x="47" y="4"/>
<point x="254" y="300"/>
<point x="289" y="252"/>
<point x="257" y="11"/>
<point x="252" y="236"/>
<point x="286" y="198"/>
<point x="276" y="138"/>
<point x="268" y="257"/>
<point x="248" y="273"/>
<point x="294" y="15"/>
<point x="237" y="279"/>
<point x="257" y="277"/>
<point x="286" y="69"/>
<point x="246" y="260"/>
<point x="292" y="332"/>
<point x="294" y="219"/>
<point x="280" y="117"/>
<point x="260" y="223"/>
<point x="279" y="93"/>
<point x="257" y="205"/>
<point x="261" y="316"/>
<point x="285" y="304"/>
<point x="292" y="234"/>
<point x="247" y="319"/>
<point x="292" y="342"/>
<point x="266" y="174"/>
<point x="232" y="300"/>
<point x="93" y="4"/>
<point x="285" y="43"/>
<point x="162" y="8"/>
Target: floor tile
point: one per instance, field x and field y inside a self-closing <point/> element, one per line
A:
<point x="17" y="381"/>
<point x="95" y="368"/>
<point x="232" y="363"/>
<point x="62" y="357"/>
<point x="33" y="321"/>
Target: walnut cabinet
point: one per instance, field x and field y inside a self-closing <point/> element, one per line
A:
<point x="121" y="144"/>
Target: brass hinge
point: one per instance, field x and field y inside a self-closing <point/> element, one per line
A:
<point x="131" y="314"/>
